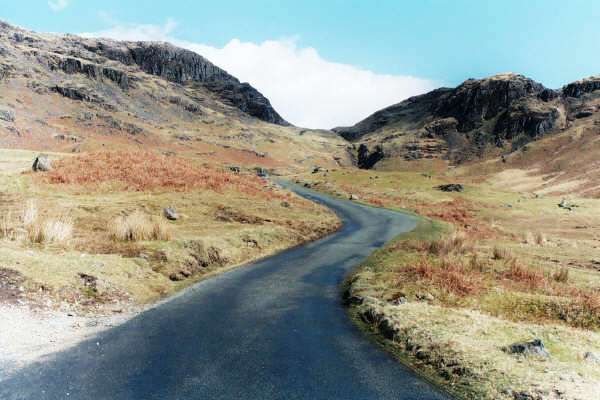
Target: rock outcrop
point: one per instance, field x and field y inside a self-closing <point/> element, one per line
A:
<point x="186" y="67"/>
<point x="480" y="116"/>
<point x="582" y="87"/>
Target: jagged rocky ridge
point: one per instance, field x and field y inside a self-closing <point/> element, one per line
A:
<point x="186" y="67"/>
<point x="495" y="114"/>
<point x="104" y="59"/>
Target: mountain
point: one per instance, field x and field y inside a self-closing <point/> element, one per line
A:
<point x="477" y="119"/>
<point x="68" y="93"/>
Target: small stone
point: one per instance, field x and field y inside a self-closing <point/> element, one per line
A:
<point x="171" y="214"/>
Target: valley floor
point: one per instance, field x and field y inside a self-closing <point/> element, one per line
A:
<point x="86" y="246"/>
<point x="486" y="268"/>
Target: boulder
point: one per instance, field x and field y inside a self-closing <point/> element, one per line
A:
<point x="451" y="187"/>
<point x="353" y="197"/>
<point x="535" y="348"/>
<point x="261" y="172"/>
<point x="591" y="357"/>
<point x="42" y="163"/>
<point x="584" y="114"/>
<point x="425" y="296"/>
<point x="399" y="301"/>
<point x="7" y="115"/>
<point x="171" y="214"/>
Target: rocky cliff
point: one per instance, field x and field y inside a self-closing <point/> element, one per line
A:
<point x="501" y="113"/>
<point x="186" y="67"/>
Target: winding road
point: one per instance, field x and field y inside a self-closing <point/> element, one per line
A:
<point x="275" y="329"/>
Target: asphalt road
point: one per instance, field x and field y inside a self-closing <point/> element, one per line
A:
<point x="275" y="329"/>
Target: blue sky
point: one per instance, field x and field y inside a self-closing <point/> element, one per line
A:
<point x="439" y="42"/>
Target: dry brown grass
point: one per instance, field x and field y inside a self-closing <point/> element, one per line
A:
<point x="144" y="171"/>
<point x="35" y="228"/>
<point x="139" y="226"/>
<point x="50" y="230"/>
<point x="500" y="253"/>
<point x="454" y="243"/>
<point x="451" y="276"/>
<point x="531" y="278"/>
<point x="561" y="275"/>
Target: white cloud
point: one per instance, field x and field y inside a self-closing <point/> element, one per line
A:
<point x="304" y="88"/>
<point x="58" y="5"/>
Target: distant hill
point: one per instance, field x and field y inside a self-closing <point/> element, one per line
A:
<point x="68" y="93"/>
<point x="480" y="118"/>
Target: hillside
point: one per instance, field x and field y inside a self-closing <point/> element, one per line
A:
<point x="66" y="93"/>
<point x="481" y="119"/>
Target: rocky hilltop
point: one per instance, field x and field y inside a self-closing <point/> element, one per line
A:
<point x="68" y="93"/>
<point x="183" y="67"/>
<point x="498" y="114"/>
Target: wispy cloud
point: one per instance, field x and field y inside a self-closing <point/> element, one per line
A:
<point x="58" y="5"/>
<point x="305" y="88"/>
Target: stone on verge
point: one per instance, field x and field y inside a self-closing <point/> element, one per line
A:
<point x="171" y="214"/>
<point x="42" y="163"/>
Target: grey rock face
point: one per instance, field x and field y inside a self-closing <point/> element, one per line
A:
<point x="476" y="100"/>
<point x="42" y="163"/>
<point x="186" y="67"/>
<point x="459" y="124"/>
<point x="70" y="65"/>
<point x="581" y="87"/>
<point x="368" y="158"/>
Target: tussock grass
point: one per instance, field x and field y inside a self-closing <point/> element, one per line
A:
<point x="562" y="275"/>
<point x="34" y="227"/>
<point x="50" y="230"/>
<point x="500" y="253"/>
<point x="455" y="242"/>
<point x="139" y="226"/>
<point x="451" y="276"/>
<point x="529" y="277"/>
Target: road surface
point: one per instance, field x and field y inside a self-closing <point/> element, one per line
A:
<point x="275" y="329"/>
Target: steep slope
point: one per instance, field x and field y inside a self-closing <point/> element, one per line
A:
<point x="507" y="129"/>
<point x="66" y="93"/>
<point x="478" y="117"/>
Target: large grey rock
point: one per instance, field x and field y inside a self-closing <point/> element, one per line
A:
<point x="535" y="348"/>
<point x="42" y="163"/>
<point x="7" y="115"/>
